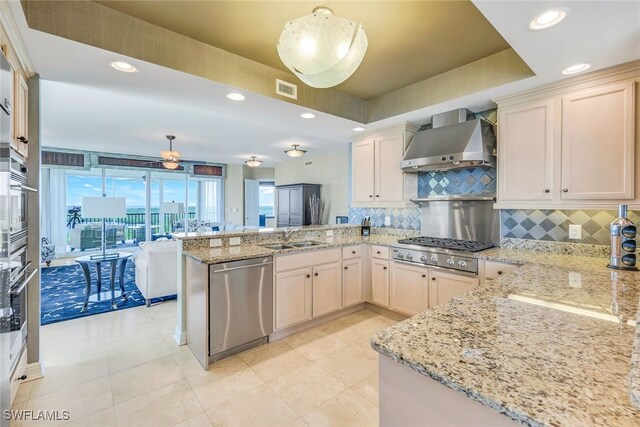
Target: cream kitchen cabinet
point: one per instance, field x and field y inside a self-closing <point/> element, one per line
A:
<point x="409" y="289"/>
<point x="445" y="286"/>
<point x="352" y="282"/>
<point x="380" y="282"/>
<point x="293" y="297"/>
<point x="327" y="289"/>
<point x="377" y="177"/>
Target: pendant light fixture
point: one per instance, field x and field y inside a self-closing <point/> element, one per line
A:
<point x="253" y="162"/>
<point x="295" y="151"/>
<point x="171" y="158"/>
<point x="323" y="50"/>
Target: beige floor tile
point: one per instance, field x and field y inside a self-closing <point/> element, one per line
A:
<point x="66" y="374"/>
<point x="187" y="362"/>
<point x="144" y="378"/>
<point x="166" y="406"/>
<point x="274" y="359"/>
<point x="369" y="388"/>
<point x="306" y="388"/>
<point x="258" y="407"/>
<point x="103" y="418"/>
<point x="375" y="324"/>
<point x="346" y="409"/>
<point x="363" y="344"/>
<point x="201" y="420"/>
<point x="348" y="364"/>
<point x="223" y="381"/>
<point x="80" y="400"/>
<point x="321" y="346"/>
<point x="299" y="423"/>
<point x="68" y="352"/>
<point x="24" y="391"/>
<point x="128" y="356"/>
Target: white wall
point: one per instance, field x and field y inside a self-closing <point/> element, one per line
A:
<point x="331" y="170"/>
<point x="234" y="189"/>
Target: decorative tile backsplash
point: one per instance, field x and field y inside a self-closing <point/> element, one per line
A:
<point x="406" y="219"/>
<point x="553" y="225"/>
<point x="479" y="180"/>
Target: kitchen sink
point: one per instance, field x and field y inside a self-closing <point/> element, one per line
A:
<point x="304" y="244"/>
<point x="277" y="246"/>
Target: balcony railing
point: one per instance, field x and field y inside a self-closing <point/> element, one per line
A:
<point x="134" y="220"/>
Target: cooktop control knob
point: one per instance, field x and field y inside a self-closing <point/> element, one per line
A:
<point x="462" y="264"/>
<point x="409" y="257"/>
<point x="423" y="258"/>
<point x="450" y="262"/>
<point x="400" y="255"/>
<point x="434" y="259"/>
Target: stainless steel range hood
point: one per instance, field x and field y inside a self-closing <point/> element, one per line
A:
<point x="453" y="142"/>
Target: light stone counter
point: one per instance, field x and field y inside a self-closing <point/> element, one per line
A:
<point x="550" y="343"/>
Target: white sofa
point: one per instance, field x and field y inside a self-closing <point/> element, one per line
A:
<point x="157" y="269"/>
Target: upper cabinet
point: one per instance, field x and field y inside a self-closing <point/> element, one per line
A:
<point x="570" y="147"/>
<point x="19" y="112"/>
<point x="376" y="173"/>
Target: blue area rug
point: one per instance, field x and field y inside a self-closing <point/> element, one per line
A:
<point x="62" y="293"/>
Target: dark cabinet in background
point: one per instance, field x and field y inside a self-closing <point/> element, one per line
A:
<point x="292" y="208"/>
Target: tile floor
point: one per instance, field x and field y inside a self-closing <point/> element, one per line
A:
<point x="124" y="369"/>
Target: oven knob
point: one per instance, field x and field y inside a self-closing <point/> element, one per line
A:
<point x="462" y="264"/>
<point x="450" y="262"/>
<point x="409" y="257"/>
<point x="423" y="258"/>
<point x="434" y="259"/>
<point x="400" y="256"/>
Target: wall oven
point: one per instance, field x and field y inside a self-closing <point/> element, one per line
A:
<point x="18" y="194"/>
<point x="17" y="319"/>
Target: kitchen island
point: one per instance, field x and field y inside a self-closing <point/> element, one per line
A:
<point x="550" y="343"/>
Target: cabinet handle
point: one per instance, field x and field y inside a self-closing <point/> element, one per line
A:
<point x="384" y="268"/>
<point x="565" y="190"/>
<point x="316" y="274"/>
<point x="23" y="140"/>
<point x="308" y="275"/>
<point x="499" y="272"/>
<point x="370" y="195"/>
<point x="377" y="195"/>
<point x="433" y="278"/>
<point x="547" y="190"/>
<point x="378" y="252"/>
<point x="424" y="275"/>
<point x="346" y="268"/>
<point x="353" y="252"/>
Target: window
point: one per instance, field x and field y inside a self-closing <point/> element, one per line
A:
<point x="267" y="193"/>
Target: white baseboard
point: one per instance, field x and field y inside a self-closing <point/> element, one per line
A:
<point x="34" y="371"/>
<point x="180" y="336"/>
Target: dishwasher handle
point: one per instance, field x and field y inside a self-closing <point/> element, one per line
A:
<point x="260" y="264"/>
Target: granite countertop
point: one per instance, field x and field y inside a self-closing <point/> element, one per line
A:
<point x="246" y="251"/>
<point x="235" y="233"/>
<point x="550" y="343"/>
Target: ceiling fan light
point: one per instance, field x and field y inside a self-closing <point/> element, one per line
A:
<point x="323" y="50"/>
<point x="253" y="162"/>
<point x="295" y="151"/>
<point x="170" y="155"/>
<point x="171" y="164"/>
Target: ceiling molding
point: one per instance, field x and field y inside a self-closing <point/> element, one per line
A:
<point x="15" y="39"/>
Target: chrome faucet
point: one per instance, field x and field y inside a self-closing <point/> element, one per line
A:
<point x="288" y="233"/>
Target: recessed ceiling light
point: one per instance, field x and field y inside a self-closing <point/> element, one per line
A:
<point x="308" y="115"/>
<point x="574" y="69"/>
<point x="358" y="129"/>
<point x="234" y="96"/>
<point x="549" y="18"/>
<point x="125" y="67"/>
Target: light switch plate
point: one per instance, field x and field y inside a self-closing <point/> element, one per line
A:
<point x="575" y="231"/>
<point x="215" y="243"/>
<point x="575" y="279"/>
<point x="234" y="241"/>
<point x="387" y="220"/>
<point x="329" y="233"/>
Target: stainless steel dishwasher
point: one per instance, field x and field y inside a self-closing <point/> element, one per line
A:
<point x="240" y="306"/>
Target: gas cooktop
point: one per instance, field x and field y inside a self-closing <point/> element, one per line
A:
<point x="449" y="244"/>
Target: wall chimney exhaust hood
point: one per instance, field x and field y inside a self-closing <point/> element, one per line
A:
<point x="453" y="142"/>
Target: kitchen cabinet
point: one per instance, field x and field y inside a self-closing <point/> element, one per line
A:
<point x="492" y="269"/>
<point x="376" y="173"/>
<point x="570" y="146"/>
<point x="327" y="289"/>
<point x="292" y="204"/>
<point x="445" y="286"/>
<point x="409" y="290"/>
<point x="380" y="282"/>
<point x="293" y="297"/>
<point x="20" y="113"/>
<point x="352" y="289"/>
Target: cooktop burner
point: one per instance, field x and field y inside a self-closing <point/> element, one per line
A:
<point x="451" y="244"/>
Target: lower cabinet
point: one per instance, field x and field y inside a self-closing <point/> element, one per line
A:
<point x="380" y="282"/>
<point x="352" y="289"/>
<point x="409" y="293"/>
<point x="293" y="297"/>
<point x="445" y="286"/>
<point x="327" y="289"/>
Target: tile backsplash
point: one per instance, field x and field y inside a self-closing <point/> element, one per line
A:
<point x="479" y="180"/>
<point x="406" y="218"/>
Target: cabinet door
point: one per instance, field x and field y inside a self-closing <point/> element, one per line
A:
<point x="283" y="201"/>
<point x="598" y="144"/>
<point x="380" y="282"/>
<point x="293" y="297"/>
<point x="409" y="289"/>
<point x="352" y="292"/>
<point x="444" y="286"/>
<point x="389" y="178"/>
<point x="525" y="151"/>
<point x="327" y="289"/>
<point x="362" y="171"/>
<point x="21" y="114"/>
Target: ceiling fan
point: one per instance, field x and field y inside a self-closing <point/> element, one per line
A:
<point x="170" y="158"/>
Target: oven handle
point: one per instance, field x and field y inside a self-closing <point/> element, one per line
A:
<point x="24" y="269"/>
<point x="24" y="283"/>
<point x="23" y="187"/>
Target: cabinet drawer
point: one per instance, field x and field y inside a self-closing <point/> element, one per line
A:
<point x="307" y="259"/>
<point x="493" y="270"/>
<point x="380" y="252"/>
<point x="351" y="252"/>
